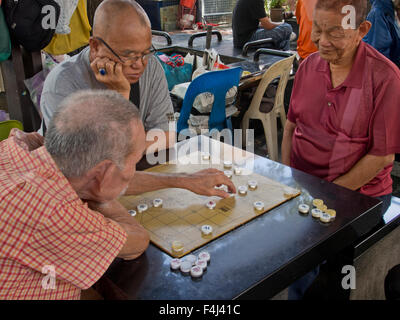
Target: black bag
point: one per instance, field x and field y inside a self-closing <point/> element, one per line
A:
<point x="27" y="22"/>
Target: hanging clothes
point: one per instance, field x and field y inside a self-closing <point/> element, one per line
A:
<point x="67" y="9"/>
<point x="77" y="38"/>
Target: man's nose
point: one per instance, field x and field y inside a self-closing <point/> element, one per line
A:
<point x="324" y="40"/>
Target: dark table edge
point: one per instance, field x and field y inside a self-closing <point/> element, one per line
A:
<point x="378" y="235"/>
<point x="281" y="278"/>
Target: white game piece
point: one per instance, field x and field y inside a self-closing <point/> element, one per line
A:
<point x="175" y="264"/>
<point x="142" y="207"/>
<point x="186" y="266"/>
<point x="318" y="203"/>
<point x="252" y="184"/>
<point x="206" y="156"/>
<point x="242" y="190"/>
<point x="325" y="218"/>
<point x="202" y="264"/>
<point x="196" y="272"/>
<point x="157" y="203"/>
<point x="211" y="204"/>
<point x="316" y="213"/>
<point x="228" y="173"/>
<point x="222" y="187"/>
<point x="304" y="208"/>
<point x="258" y="205"/>
<point x="191" y="258"/>
<point x="332" y="213"/>
<point x="238" y="171"/>
<point x="227" y="164"/>
<point x="204" y="255"/>
<point x="132" y="212"/>
<point x="206" y="229"/>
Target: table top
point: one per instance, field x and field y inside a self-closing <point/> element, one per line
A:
<point x="262" y="257"/>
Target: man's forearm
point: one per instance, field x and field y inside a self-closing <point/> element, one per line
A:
<point x="287" y="142"/>
<point x="202" y="182"/>
<point x="267" y="24"/>
<point x="364" y="171"/>
<point x="137" y="237"/>
<point x="146" y="181"/>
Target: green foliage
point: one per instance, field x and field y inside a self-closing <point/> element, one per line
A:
<point x="275" y="3"/>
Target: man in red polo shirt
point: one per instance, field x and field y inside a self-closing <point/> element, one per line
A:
<point x="343" y="117"/>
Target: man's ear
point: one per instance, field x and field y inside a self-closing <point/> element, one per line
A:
<point x="364" y="28"/>
<point x="94" y="45"/>
<point x="100" y="176"/>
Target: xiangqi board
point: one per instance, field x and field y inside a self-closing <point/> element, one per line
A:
<point x="183" y="213"/>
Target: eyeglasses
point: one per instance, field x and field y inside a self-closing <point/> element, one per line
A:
<point x="129" y="60"/>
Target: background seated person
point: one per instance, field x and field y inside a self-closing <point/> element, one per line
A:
<point x="250" y="23"/>
<point x="384" y="35"/>
<point x="58" y="205"/>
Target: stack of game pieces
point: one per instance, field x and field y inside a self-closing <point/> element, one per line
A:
<point x="322" y="212"/>
<point x="191" y="264"/>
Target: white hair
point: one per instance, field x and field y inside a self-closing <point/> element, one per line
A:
<point x="91" y="126"/>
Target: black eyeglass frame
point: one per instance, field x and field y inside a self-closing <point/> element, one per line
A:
<point x="153" y="50"/>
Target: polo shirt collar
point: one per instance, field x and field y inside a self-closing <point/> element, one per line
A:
<point x="355" y="77"/>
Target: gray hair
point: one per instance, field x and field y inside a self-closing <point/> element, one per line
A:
<point x="337" y="5"/>
<point x="91" y="126"/>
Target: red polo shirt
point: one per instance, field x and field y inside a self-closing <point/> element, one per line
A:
<point x="336" y="127"/>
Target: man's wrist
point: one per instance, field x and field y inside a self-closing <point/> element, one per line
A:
<point x="181" y="181"/>
<point x="125" y="93"/>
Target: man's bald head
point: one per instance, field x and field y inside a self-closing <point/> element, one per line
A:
<point x="91" y="126"/>
<point x="111" y="15"/>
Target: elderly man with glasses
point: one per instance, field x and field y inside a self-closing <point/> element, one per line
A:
<point x="120" y="57"/>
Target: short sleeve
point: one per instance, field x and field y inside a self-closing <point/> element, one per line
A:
<point x="258" y="10"/>
<point x="57" y="86"/>
<point x="160" y="103"/>
<point x="78" y="242"/>
<point x="291" y="116"/>
<point x="384" y="129"/>
<point x="49" y="104"/>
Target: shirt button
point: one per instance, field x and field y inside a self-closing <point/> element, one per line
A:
<point x="329" y="104"/>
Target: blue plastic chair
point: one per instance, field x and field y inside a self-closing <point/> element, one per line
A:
<point x="218" y="83"/>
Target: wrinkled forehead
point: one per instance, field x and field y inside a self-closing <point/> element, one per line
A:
<point x="130" y="38"/>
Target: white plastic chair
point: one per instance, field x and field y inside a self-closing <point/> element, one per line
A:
<point x="281" y="70"/>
